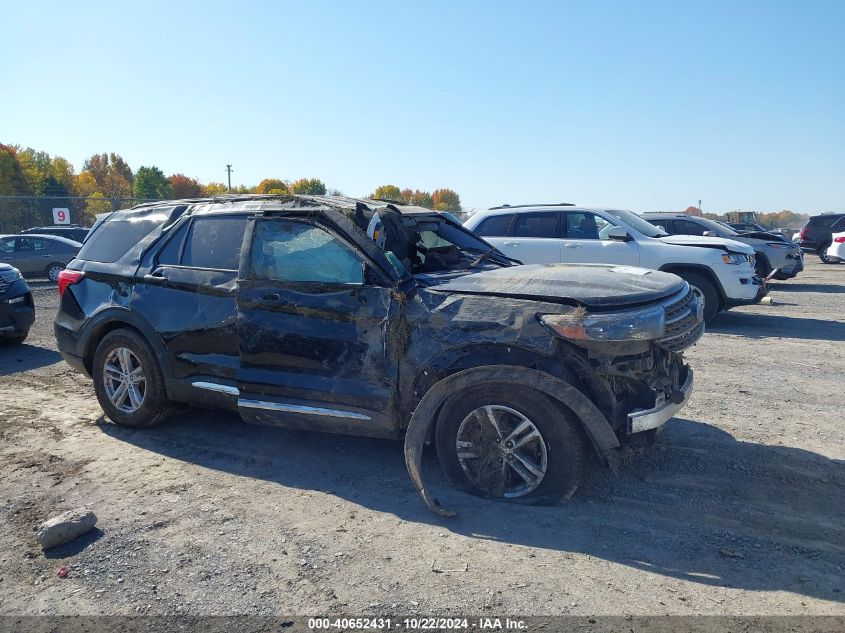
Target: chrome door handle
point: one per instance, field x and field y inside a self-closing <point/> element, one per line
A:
<point x="511" y="243"/>
<point x="572" y="246"/>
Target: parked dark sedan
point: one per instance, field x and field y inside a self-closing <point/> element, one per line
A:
<point x="72" y="232"/>
<point x="17" y="310"/>
<point x="38" y="255"/>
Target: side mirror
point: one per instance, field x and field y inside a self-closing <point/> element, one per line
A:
<point x="618" y="233"/>
<point x="709" y="234"/>
<point x="662" y="228"/>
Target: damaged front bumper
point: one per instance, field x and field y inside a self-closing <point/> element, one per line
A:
<point x="665" y="409"/>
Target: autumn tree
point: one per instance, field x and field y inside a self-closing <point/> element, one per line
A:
<point x="182" y="186"/>
<point x="12" y="179"/>
<point x="34" y="165"/>
<point x="310" y="186"/>
<point x="782" y="219"/>
<point x="446" y="200"/>
<point x="387" y="192"/>
<point x="113" y="175"/>
<point x="423" y="199"/>
<point x="272" y="185"/>
<point x="61" y="170"/>
<point x="214" y="189"/>
<point x="692" y="211"/>
<point x="84" y="184"/>
<point x="98" y="167"/>
<point x="150" y="182"/>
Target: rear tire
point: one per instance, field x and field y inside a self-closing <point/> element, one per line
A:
<point x="129" y="382"/>
<point x="543" y="463"/>
<point x="712" y="304"/>
<point x="826" y="259"/>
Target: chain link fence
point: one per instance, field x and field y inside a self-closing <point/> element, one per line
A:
<point x="34" y="230"/>
<point x="18" y="213"/>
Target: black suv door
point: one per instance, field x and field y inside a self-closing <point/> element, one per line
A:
<point x="188" y="295"/>
<point x="311" y="332"/>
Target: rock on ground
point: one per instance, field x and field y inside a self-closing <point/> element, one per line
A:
<point x="65" y="527"/>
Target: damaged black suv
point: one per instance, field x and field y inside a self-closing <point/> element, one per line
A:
<point x="372" y="318"/>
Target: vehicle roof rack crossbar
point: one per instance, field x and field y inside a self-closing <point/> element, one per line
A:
<point x="525" y="206"/>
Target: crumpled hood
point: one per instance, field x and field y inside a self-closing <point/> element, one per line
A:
<point x="598" y="286"/>
<point x="708" y="242"/>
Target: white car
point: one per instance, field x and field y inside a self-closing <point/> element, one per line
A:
<point x="722" y="269"/>
<point x="837" y="246"/>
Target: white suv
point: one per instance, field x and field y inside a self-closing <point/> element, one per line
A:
<point x="542" y="234"/>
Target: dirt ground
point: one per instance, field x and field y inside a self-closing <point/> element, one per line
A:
<point x="739" y="508"/>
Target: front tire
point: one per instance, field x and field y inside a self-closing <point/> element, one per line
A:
<point x="761" y="266"/>
<point x="494" y="442"/>
<point x="129" y="382"/>
<point x="712" y="305"/>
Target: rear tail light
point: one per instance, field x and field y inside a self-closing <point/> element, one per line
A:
<point x="68" y="278"/>
<point x="839" y="240"/>
<point x="802" y="235"/>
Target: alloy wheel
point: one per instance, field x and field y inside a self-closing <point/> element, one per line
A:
<point x="124" y="380"/>
<point x="501" y="451"/>
<point x="53" y="272"/>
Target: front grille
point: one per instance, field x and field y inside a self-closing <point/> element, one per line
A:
<point x="684" y="320"/>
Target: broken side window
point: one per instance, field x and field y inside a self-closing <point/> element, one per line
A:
<point x="298" y="252"/>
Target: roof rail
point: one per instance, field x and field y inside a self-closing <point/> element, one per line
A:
<point x="525" y="206"/>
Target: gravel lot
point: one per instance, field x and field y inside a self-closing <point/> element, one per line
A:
<point x="739" y="508"/>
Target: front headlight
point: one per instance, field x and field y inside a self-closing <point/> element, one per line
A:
<point x="737" y="258"/>
<point x="634" y="325"/>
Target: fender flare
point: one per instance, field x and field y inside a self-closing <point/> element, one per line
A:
<point x="597" y="427"/>
<point x="123" y="317"/>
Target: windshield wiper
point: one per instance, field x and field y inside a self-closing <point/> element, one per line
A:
<point x="482" y="257"/>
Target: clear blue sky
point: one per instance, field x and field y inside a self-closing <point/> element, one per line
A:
<point x="645" y="105"/>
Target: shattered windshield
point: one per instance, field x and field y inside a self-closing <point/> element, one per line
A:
<point x="437" y="245"/>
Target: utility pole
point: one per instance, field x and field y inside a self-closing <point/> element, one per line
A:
<point x="229" y="173"/>
<point x="700" y="212"/>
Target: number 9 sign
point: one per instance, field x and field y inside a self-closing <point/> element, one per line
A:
<point x="61" y="216"/>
